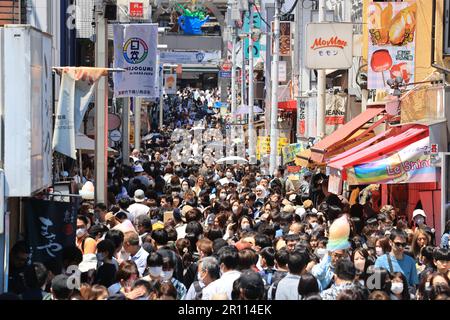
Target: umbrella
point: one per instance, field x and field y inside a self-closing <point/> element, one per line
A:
<point x="84" y="143"/>
<point x="232" y="159"/>
<point x="246" y="110"/>
<point x="151" y="136"/>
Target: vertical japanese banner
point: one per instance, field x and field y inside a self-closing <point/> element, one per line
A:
<point x="51" y="226"/>
<point x="301" y="119"/>
<point x="135" y="50"/>
<point x="336" y="106"/>
<point x="392" y="42"/>
<point x="285" y="39"/>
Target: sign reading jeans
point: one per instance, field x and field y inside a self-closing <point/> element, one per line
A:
<point x="50" y="227"/>
<point x="135" y="50"/>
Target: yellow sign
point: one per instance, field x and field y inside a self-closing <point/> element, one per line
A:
<point x="263" y="145"/>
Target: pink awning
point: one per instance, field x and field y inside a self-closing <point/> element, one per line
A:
<point x="405" y="137"/>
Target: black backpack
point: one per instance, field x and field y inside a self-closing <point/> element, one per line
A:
<point x="198" y="290"/>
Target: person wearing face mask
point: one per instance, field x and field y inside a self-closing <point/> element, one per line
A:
<point x="222" y="194"/>
<point x="166" y="275"/>
<point x="361" y="261"/>
<point x="228" y="262"/>
<point x="419" y="217"/>
<point x="208" y="271"/>
<point x="397" y="260"/>
<point x="86" y="244"/>
<point x="154" y="267"/>
<point x="399" y="287"/>
<point x="229" y="177"/>
<point x="382" y="246"/>
<point x="106" y="273"/>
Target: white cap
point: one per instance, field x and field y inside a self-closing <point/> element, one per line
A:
<point x="300" y="212"/>
<point x="418" y="212"/>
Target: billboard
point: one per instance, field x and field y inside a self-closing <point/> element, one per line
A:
<point x="392" y="42"/>
<point x="27" y="86"/>
<point x="329" y="45"/>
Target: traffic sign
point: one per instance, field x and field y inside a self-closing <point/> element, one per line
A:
<point x="115" y="135"/>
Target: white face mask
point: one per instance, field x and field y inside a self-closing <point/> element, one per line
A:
<point x="100" y="257"/>
<point x="199" y="277"/>
<point x="235" y="209"/>
<point x="229" y="175"/>
<point x="396" y="287"/>
<point x="223" y="196"/>
<point x="379" y="251"/>
<point x="81" y="232"/>
<point x="185" y="188"/>
<point x="155" y="271"/>
<point x="314" y="225"/>
<point x="166" y="275"/>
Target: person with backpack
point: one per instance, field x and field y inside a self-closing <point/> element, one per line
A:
<point x="268" y="266"/>
<point x="208" y="271"/>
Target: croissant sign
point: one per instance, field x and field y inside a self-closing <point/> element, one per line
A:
<point x="329" y="45"/>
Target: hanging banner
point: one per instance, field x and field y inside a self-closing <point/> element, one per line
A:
<point x="285" y="39"/>
<point x="170" y="83"/>
<point x="75" y="94"/>
<point x="336" y="106"/>
<point x="301" y="119"/>
<point x="409" y="165"/>
<point x="191" y="57"/>
<point x="246" y="29"/>
<point x="51" y="227"/>
<point x="392" y="42"/>
<point x="135" y="50"/>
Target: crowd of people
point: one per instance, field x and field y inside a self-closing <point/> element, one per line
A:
<point x="206" y="231"/>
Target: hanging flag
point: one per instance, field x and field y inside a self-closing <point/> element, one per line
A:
<point x="75" y="94"/>
<point x="135" y="50"/>
<point x="51" y="227"/>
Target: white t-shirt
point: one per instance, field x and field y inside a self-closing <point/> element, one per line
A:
<point x="136" y="210"/>
<point x="222" y="285"/>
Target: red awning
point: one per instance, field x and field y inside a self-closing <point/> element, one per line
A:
<point x="400" y="138"/>
<point x="290" y="105"/>
<point x="320" y="149"/>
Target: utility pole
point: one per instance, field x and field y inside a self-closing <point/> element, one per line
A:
<point x="251" y="100"/>
<point x="161" y="97"/>
<point x="274" y="104"/>
<point x="101" y="105"/>
<point x="321" y="85"/>
<point x="296" y="74"/>
<point x="243" y="71"/>
<point x="137" y="123"/>
<point x="233" y="74"/>
<point x="125" y="131"/>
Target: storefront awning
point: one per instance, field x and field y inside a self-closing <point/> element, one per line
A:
<point x="398" y="139"/>
<point x="335" y="139"/>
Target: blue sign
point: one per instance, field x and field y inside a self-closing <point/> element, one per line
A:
<point x="225" y="74"/>
<point x="246" y="28"/>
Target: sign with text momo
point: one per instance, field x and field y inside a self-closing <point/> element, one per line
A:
<point x="409" y="165"/>
<point x="392" y="42"/>
<point x="329" y="45"/>
<point x="135" y="50"/>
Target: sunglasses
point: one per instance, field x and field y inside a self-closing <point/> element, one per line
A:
<point x="400" y="244"/>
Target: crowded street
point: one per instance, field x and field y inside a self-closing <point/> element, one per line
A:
<point x="164" y="171"/>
